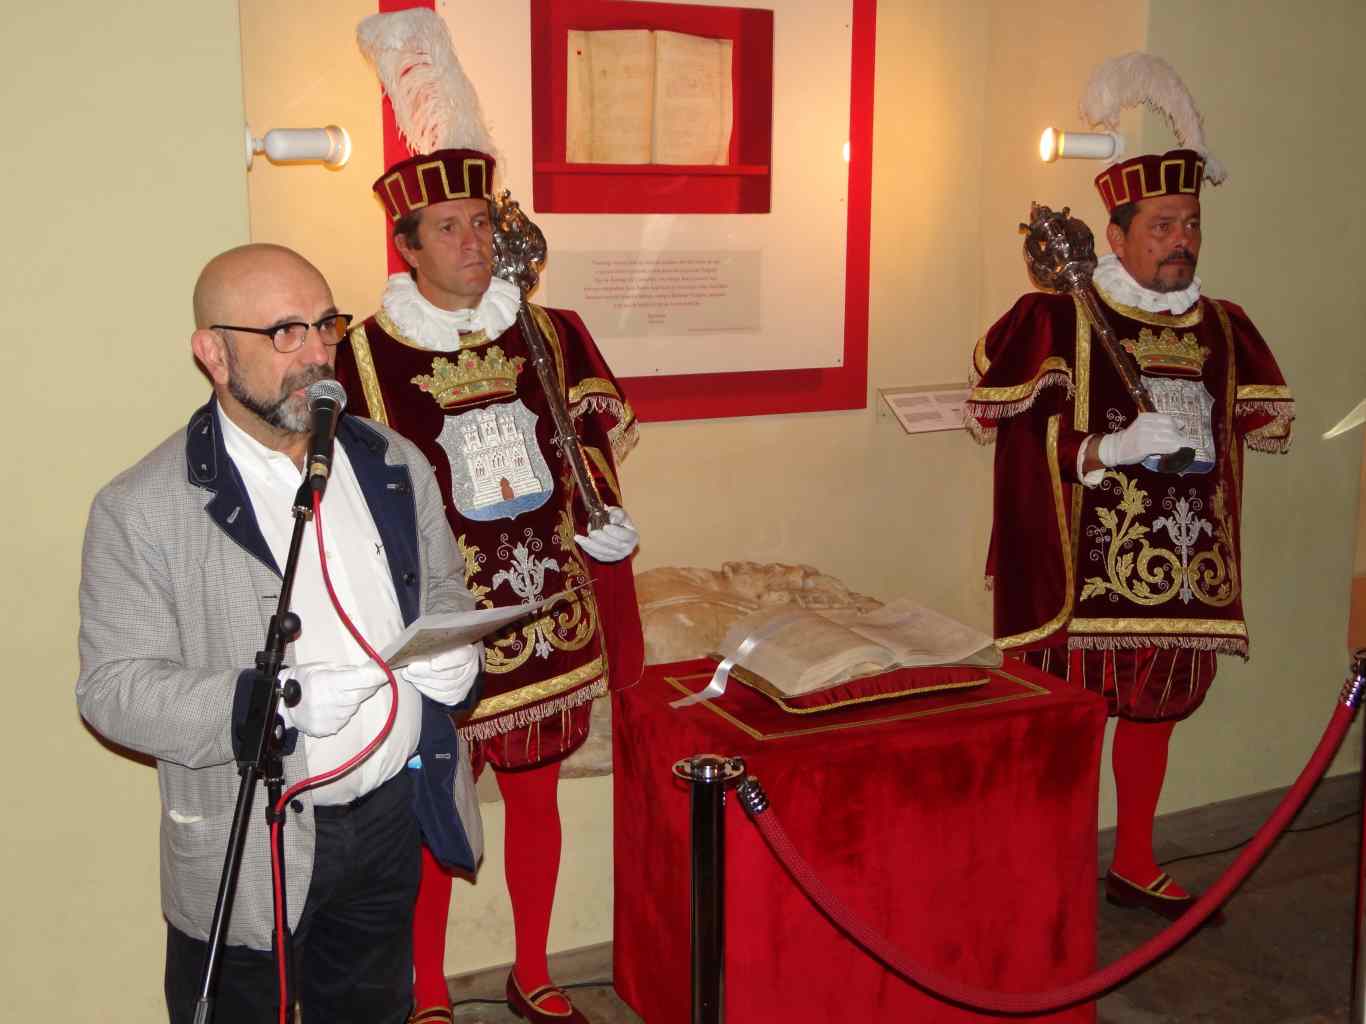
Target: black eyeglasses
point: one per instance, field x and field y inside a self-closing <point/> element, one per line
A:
<point x="289" y="337"/>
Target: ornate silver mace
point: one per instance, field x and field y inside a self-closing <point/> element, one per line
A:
<point x="1060" y="253"/>
<point x="518" y="255"/>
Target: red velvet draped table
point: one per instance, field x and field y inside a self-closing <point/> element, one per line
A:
<point x="961" y="824"/>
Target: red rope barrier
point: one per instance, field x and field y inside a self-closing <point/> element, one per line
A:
<point x="1094" y="984"/>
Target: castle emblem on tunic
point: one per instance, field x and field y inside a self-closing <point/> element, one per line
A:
<point x="497" y="470"/>
<point x="1191" y="405"/>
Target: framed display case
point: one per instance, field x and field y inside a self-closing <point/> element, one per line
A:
<point x="738" y="183"/>
<point x="743" y="288"/>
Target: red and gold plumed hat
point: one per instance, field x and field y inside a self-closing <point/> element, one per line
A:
<point x="1127" y="81"/>
<point x="1177" y="172"/>
<point x="436" y="109"/>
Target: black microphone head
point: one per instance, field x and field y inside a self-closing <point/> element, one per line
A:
<point x="326" y="391"/>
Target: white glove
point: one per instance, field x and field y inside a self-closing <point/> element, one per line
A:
<point x="448" y="677"/>
<point x="330" y="695"/>
<point x="1151" y="433"/>
<point x="614" y="541"/>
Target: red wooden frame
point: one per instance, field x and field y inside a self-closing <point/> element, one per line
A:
<point x="740" y="186"/>
<point x="767" y="392"/>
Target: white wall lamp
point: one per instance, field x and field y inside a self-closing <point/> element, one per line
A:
<point x="1056" y="144"/>
<point x="330" y="145"/>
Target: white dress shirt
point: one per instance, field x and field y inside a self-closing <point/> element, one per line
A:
<point x="360" y="576"/>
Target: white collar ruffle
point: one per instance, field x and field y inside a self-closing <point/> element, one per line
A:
<point x="439" y="330"/>
<point x="1118" y="284"/>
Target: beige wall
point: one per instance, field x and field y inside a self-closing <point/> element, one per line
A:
<point x="154" y="91"/>
<point x="123" y="175"/>
<point x="1282" y="238"/>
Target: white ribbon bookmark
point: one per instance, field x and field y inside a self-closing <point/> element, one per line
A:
<point x="721" y="676"/>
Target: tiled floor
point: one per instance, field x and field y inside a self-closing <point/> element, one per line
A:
<point x="1283" y="957"/>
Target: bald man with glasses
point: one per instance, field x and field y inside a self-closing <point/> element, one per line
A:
<point x="181" y="570"/>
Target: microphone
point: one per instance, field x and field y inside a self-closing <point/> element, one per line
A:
<point x="326" y="400"/>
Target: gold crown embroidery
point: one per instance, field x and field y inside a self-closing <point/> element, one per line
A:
<point x="471" y="377"/>
<point x="1167" y="352"/>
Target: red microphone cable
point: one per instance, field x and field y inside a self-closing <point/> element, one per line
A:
<point x="314" y="781"/>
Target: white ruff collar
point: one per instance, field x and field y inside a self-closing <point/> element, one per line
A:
<point x="439" y="329"/>
<point x="1118" y="284"/>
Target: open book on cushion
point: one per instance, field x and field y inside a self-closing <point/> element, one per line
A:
<point x="810" y="660"/>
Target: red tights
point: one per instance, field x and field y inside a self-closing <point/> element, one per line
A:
<point x="1140" y="764"/>
<point x="531" y="860"/>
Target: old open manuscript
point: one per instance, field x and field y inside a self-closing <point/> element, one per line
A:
<point x="799" y="651"/>
<point x="640" y="96"/>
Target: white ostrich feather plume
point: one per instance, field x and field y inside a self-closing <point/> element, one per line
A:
<point x="434" y="103"/>
<point x="1135" y="78"/>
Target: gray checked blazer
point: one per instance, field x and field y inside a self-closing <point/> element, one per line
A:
<point x="177" y="589"/>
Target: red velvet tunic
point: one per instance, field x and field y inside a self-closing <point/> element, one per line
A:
<point x="481" y="418"/>
<point x="1145" y="560"/>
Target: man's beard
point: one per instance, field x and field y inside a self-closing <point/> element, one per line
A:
<point x="1157" y="284"/>
<point x="284" y="412"/>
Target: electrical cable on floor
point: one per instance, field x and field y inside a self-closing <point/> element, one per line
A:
<point x="475" y="1001"/>
<point x="1238" y="846"/>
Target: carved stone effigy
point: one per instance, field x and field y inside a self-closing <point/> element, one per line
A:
<point x="685" y="613"/>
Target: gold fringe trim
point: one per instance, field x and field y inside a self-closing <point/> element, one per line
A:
<point x="982" y="435"/>
<point x="1138" y="626"/>
<point x="598" y="403"/>
<point x="979" y="433"/>
<point x="1218" y="644"/>
<point x="533" y="693"/>
<point x="592" y="386"/>
<point x="1012" y="392"/>
<point x="624" y="437"/>
<point x="624" y="434"/>
<point x="1285" y="410"/>
<point x="986" y="408"/>
<point x="491" y="727"/>
<point x="1276" y="436"/>
<point x="1269" y="445"/>
<point x="1270" y="392"/>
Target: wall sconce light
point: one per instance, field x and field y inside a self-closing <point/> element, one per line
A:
<point x="330" y="145"/>
<point x="1056" y="144"/>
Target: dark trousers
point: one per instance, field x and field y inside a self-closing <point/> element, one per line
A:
<point x="353" y="947"/>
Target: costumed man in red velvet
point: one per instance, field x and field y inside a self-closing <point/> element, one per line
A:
<point x="445" y="363"/>
<point x="1107" y="572"/>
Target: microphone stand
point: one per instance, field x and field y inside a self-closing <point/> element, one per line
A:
<point x="260" y="756"/>
<point x="1060" y="254"/>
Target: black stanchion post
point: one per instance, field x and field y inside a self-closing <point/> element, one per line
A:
<point x="709" y="776"/>
<point x="1352" y="695"/>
